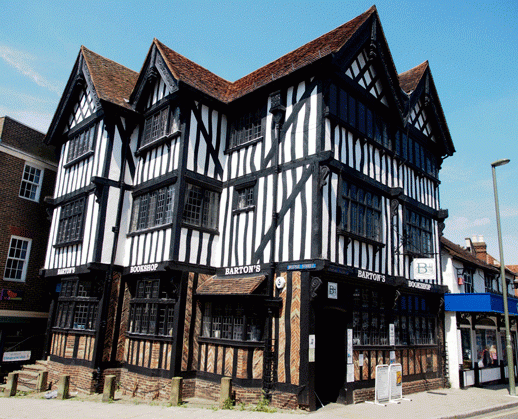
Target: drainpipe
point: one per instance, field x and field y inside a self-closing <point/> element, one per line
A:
<point x="278" y="111"/>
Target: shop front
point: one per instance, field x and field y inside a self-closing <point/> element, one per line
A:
<point x="480" y="325"/>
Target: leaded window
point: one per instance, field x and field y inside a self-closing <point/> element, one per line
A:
<point x="360" y="211"/>
<point x="160" y="124"/>
<point x="245" y="198"/>
<point x="81" y="144"/>
<point x="414" y="321"/>
<point x="151" y="309"/>
<point x="153" y="209"/>
<point x="70" y="226"/>
<point x="77" y="305"/>
<point x="370" y="317"/>
<point x="30" y="186"/>
<point x="17" y="259"/>
<point x="201" y="207"/>
<point x="232" y="322"/>
<point x="418" y="233"/>
<point x="246" y="128"/>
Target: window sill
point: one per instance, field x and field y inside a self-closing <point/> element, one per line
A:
<point x="353" y="236"/>
<point x="69" y="330"/>
<point x="230" y="342"/>
<point x="244" y="145"/>
<point x="144" y="336"/>
<point x="241" y="210"/>
<point x="150" y="230"/>
<point x="200" y="228"/>
<point x="66" y="244"/>
<point x="156" y="143"/>
<point x="78" y="159"/>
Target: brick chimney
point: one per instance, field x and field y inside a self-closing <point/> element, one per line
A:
<point x="480" y="248"/>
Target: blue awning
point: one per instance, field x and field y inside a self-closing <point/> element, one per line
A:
<point x="479" y="303"/>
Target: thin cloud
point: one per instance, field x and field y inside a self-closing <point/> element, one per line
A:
<point x="21" y="61"/>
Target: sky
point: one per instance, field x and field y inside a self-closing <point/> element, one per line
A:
<point x="471" y="46"/>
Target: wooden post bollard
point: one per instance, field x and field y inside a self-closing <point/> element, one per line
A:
<point x="12" y="384"/>
<point x="63" y="387"/>
<point x="226" y="390"/>
<point x="41" y="384"/>
<point x="109" y="388"/>
<point x="176" y="391"/>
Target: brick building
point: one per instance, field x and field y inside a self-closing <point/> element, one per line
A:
<point x="28" y="174"/>
<point x="264" y="229"/>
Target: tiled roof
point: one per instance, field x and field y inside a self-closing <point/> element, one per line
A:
<point x="230" y="286"/>
<point x="411" y="78"/>
<point x="462" y="254"/>
<point x="193" y="74"/>
<point x="113" y="82"/>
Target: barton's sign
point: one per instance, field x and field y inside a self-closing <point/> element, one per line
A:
<point x="424" y="268"/>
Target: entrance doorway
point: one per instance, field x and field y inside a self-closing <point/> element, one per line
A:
<point x="330" y="353"/>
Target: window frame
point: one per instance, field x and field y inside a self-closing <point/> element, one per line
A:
<point x="154" y="134"/>
<point x="149" y="294"/>
<point x="418" y="230"/>
<point x="71" y="216"/>
<point x="77" y="306"/>
<point x="371" y="219"/>
<point x="244" y="197"/>
<point x="201" y="211"/>
<point x="246" y="128"/>
<point x="24" y="261"/>
<point x="79" y="148"/>
<point x="230" y="321"/>
<point x="144" y="218"/>
<point x="31" y="184"/>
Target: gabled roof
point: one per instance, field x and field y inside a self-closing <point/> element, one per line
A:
<point x="409" y="79"/>
<point x="110" y="81"/>
<point x="113" y="82"/>
<point x="202" y="79"/>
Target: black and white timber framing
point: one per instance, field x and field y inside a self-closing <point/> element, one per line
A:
<point x="175" y="175"/>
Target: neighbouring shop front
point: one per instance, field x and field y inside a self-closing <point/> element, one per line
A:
<point x="481" y="341"/>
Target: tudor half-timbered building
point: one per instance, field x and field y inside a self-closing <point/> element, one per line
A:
<point x="265" y="229"/>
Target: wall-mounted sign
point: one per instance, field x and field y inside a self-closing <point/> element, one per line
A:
<point x="311" y="352"/>
<point x="332" y="290"/>
<point x="301" y="267"/>
<point x="13" y="295"/>
<point x="424" y="268"/>
<point x="239" y="270"/>
<point x="151" y="267"/>
<point x="66" y="271"/>
<point x="419" y="285"/>
<point x="372" y="276"/>
<point x="16" y="356"/>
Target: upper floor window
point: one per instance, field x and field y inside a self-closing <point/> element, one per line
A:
<point x="246" y="128"/>
<point x="468" y="280"/>
<point x="491" y="283"/>
<point x="201" y="207"/>
<point x="360" y="211"/>
<point x="244" y="198"/>
<point x="81" y="144"/>
<point x="418" y="233"/>
<point x="153" y="209"/>
<point x="70" y="227"/>
<point x="151" y="311"/>
<point x="17" y="259"/>
<point x="77" y="305"/>
<point x="160" y="124"/>
<point x="30" y="187"/>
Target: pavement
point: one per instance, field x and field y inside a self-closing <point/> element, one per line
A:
<point x="437" y="404"/>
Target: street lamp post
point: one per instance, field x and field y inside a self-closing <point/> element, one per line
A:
<point x="510" y="362"/>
